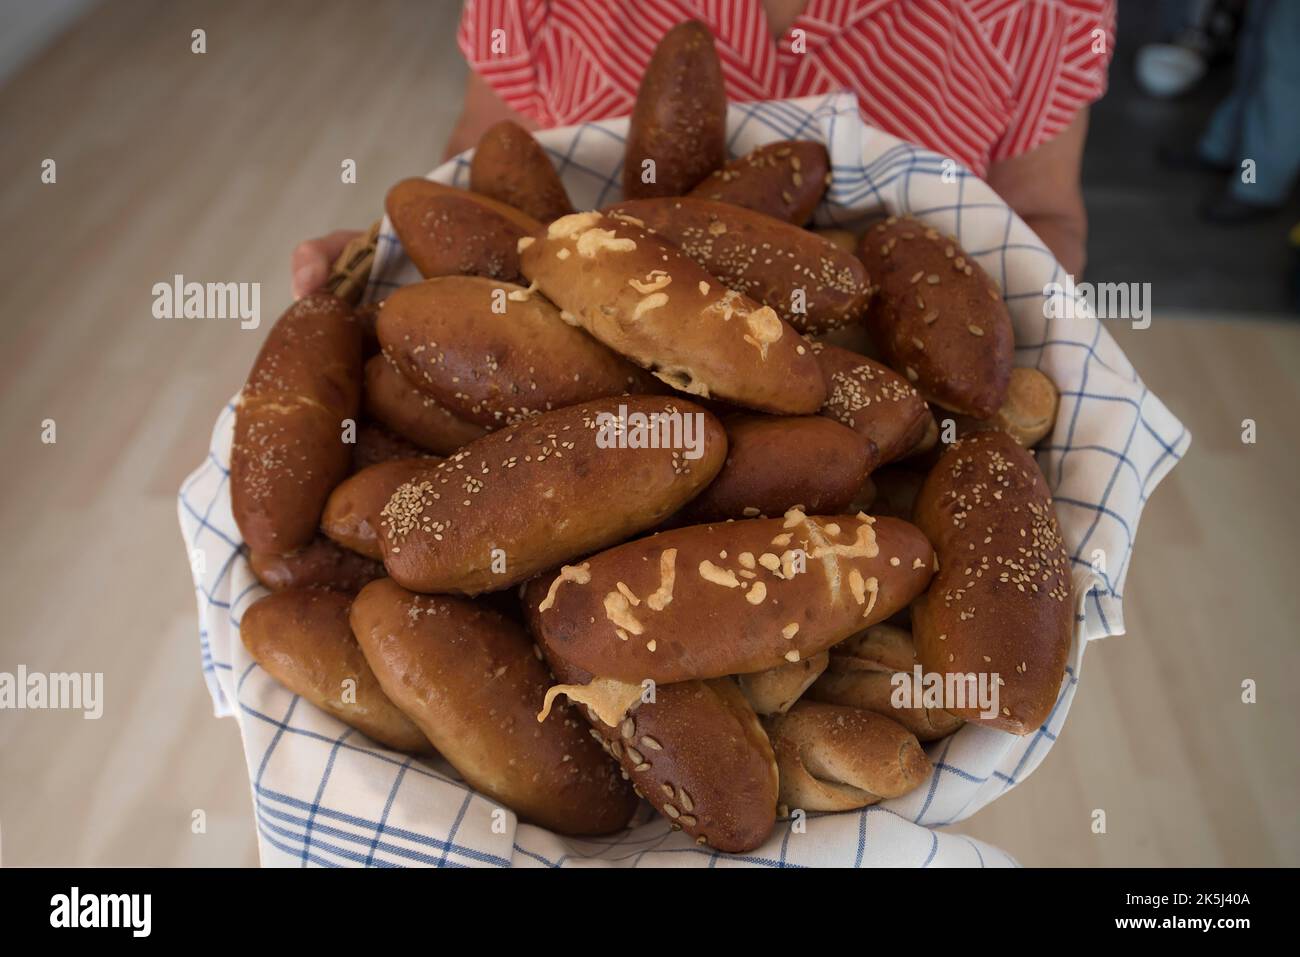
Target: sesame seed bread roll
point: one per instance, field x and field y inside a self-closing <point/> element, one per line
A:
<point x="696" y="752"/>
<point x="1027" y="415"/>
<point x="810" y="282"/>
<point x="545" y="491"/>
<point x="639" y="295"/>
<point x="351" y="516"/>
<point x="472" y="681"/>
<point x="776" y="463"/>
<point x="842" y="238"/>
<point x="375" y="443"/>
<point x="452" y="232"/>
<point x="839" y="759"/>
<point x="288" y="451"/>
<point x="319" y="564"/>
<point x="1001" y="600"/>
<point x="679" y="121"/>
<point x="712" y="600"/>
<point x="785" y="180"/>
<point x="937" y="317"/>
<point x="511" y="167"/>
<point x="302" y="639"/>
<point x="860" y="674"/>
<point x="416" y="416"/>
<point x="873" y="400"/>
<point x="492" y="353"/>
<point x="773" y="691"/>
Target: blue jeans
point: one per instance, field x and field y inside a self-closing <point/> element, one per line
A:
<point x="1260" y="119"/>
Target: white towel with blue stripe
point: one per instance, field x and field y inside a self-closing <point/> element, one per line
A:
<point x="324" y="795"/>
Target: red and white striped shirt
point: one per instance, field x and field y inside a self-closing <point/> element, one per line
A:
<point x="979" y="81"/>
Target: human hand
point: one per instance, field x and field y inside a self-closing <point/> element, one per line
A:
<point x="311" y="260"/>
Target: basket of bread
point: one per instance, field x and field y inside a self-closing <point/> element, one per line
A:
<point x="709" y="486"/>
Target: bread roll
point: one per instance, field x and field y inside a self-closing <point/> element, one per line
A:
<point x="713" y="600"/>
<point x="636" y="293"/>
<point x="785" y="179"/>
<point x="839" y="759"/>
<point x="1027" y="415"/>
<point x="1001" y="602"/>
<point x="545" y="491"/>
<point x="471" y="681"/>
<point x="937" y="317"/>
<point x="302" y="639"/>
<point x="861" y="674"/>
<point x="776" y="463"/>
<point x="679" y="122"/>
<point x="351" y="516"/>
<point x="492" y="353"/>
<point x="810" y="282"/>
<point x="453" y="232"/>
<point x="842" y="238"/>
<point x="318" y="564"/>
<point x="773" y="691"/>
<point x="873" y="400"/>
<point x="413" y="414"/>
<point x="511" y="167"/>
<point x="896" y="491"/>
<point x="696" y="751"/>
<point x="288" y="451"/>
<point x="375" y="443"/>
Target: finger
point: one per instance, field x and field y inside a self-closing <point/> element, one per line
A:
<point x="311" y="260"/>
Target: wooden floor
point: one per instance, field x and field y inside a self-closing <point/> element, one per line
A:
<point x="212" y="166"/>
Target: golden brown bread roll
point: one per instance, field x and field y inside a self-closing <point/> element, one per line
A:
<point x="873" y="400"/>
<point x="492" y="353"/>
<point x="471" y="680"/>
<point x="639" y="295"/>
<point x="1027" y="415"/>
<point x="318" y="564"/>
<point x="861" y="674"/>
<point x="351" y="516"/>
<point x="288" y="451"/>
<point x="842" y="238"/>
<point x="712" y="600"/>
<point x="452" y="232"/>
<point x="838" y="759"/>
<point x="695" y="750"/>
<point x="679" y="122"/>
<point x="776" y="463"/>
<point x="773" y="691"/>
<point x="302" y="639"/>
<point x="937" y="317"/>
<point x="511" y="167"/>
<point x="413" y="414"/>
<point x="549" y="489"/>
<point x="1001" y="603"/>
<point x="809" y="281"/>
<point x="785" y="179"/>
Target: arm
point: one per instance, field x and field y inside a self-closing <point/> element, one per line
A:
<point x="1043" y="187"/>
<point x="482" y="108"/>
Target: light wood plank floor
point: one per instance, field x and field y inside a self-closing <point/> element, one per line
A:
<point x="213" y="166"/>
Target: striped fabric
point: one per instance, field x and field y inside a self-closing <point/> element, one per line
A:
<point x="978" y="81"/>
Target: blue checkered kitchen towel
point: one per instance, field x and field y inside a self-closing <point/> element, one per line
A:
<point x="325" y="795"/>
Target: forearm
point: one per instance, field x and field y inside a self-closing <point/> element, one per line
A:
<point x="1066" y="236"/>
